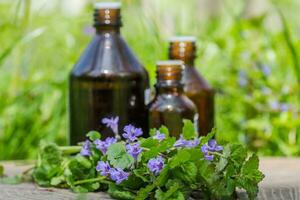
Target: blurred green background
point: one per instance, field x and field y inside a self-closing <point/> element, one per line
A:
<point x="247" y="49"/>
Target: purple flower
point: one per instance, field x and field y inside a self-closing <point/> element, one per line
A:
<point x="266" y="90"/>
<point x="284" y="107"/>
<point x="111" y="123"/>
<point x="131" y="132"/>
<point x="155" y="165"/>
<point x="134" y="149"/>
<point x="209" y="157"/>
<point x="86" y="148"/>
<point x="242" y="80"/>
<point x="193" y="143"/>
<point x="103" y="168"/>
<point x="180" y="142"/>
<point x="159" y="136"/>
<point x="118" y="175"/>
<point x="266" y="70"/>
<point x="103" y="145"/>
<point x="274" y="104"/>
<point x="211" y="147"/>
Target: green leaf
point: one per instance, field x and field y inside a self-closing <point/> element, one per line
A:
<point x="187" y="172"/>
<point x="149" y="143"/>
<point x="119" y="193"/>
<point x="209" y="136"/>
<point x="182" y="156"/>
<point x="84" y="161"/>
<point x="188" y="131"/>
<point x="80" y="189"/>
<point x="163" y="129"/>
<point x="152" y="131"/>
<point x="250" y="176"/>
<point x="55" y="181"/>
<point x="221" y="164"/>
<point x="206" y="171"/>
<point x="160" y="148"/>
<point x="163" y="177"/>
<point x="143" y="193"/>
<point x="93" y="135"/>
<point x="172" y="193"/>
<point x="223" y="189"/>
<point x="118" y="156"/>
<point x="142" y="173"/>
<point x="49" y="154"/>
<point x="238" y="154"/>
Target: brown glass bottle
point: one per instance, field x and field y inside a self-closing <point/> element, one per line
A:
<point x="170" y="106"/>
<point x="195" y="86"/>
<point x="107" y="81"/>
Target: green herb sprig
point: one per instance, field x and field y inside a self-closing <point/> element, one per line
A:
<point x="159" y="167"/>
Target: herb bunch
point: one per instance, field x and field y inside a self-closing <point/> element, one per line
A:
<point x="159" y="167"/>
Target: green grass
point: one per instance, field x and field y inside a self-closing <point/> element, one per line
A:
<point x="38" y="48"/>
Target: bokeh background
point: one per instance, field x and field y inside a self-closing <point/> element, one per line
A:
<point x="247" y="49"/>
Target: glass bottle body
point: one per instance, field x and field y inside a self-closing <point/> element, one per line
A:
<point x="195" y="86"/>
<point x="170" y="110"/>
<point x="170" y="106"/>
<point x="200" y="92"/>
<point x="107" y="81"/>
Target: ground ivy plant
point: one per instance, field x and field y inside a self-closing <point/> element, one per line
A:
<point x="158" y="167"/>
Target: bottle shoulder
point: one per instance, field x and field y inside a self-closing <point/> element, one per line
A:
<point x="195" y="82"/>
<point x="108" y="55"/>
<point x="170" y="102"/>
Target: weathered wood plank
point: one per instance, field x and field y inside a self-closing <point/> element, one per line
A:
<point x="282" y="182"/>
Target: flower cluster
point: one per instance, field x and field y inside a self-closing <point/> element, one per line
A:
<point x="159" y="136"/>
<point x="155" y="165"/>
<point x="103" y="145"/>
<point x="116" y="174"/>
<point x="181" y="142"/>
<point x="111" y="123"/>
<point x="133" y="148"/>
<point x="86" y="148"/>
<point x="132" y="133"/>
<point x="211" y="147"/>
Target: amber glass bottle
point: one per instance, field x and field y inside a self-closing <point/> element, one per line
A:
<point x="195" y="86"/>
<point x="170" y="106"/>
<point x="107" y="81"/>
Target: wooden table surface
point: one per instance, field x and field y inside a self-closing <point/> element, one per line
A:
<point x="282" y="182"/>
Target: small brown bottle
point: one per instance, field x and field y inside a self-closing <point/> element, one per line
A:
<point x="195" y="86"/>
<point x="170" y="106"/>
<point x="107" y="81"/>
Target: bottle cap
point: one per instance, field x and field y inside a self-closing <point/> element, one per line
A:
<point x="107" y="5"/>
<point x="169" y="62"/>
<point x="183" y="39"/>
<point x="169" y="70"/>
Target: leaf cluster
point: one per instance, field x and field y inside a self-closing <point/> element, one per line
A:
<point x="186" y="172"/>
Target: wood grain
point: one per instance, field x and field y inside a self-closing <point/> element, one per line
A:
<point x="282" y="182"/>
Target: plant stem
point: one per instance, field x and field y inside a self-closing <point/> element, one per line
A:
<point x="67" y="150"/>
<point x="217" y="154"/>
<point x="100" y="179"/>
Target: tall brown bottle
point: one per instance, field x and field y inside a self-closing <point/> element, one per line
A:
<point x="196" y="87"/>
<point x="107" y="81"/>
<point x="170" y="106"/>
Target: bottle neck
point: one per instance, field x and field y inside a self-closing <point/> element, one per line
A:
<point x="107" y="20"/>
<point x="168" y="88"/>
<point x="185" y="51"/>
<point x="107" y="29"/>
